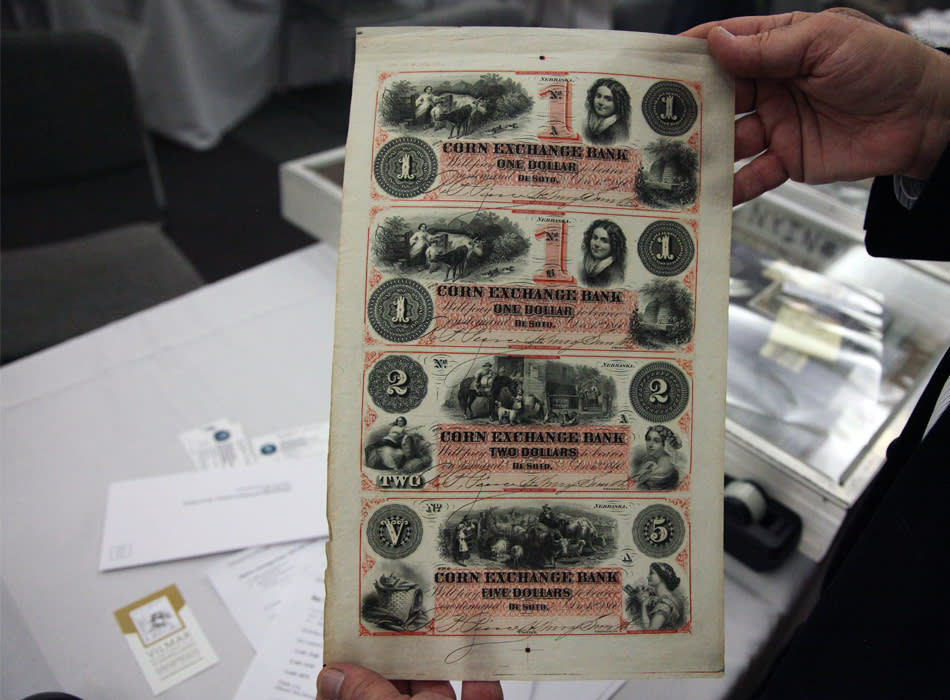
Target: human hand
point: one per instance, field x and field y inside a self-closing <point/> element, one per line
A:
<point x="831" y="96"/>
<point x="352" y="682"/>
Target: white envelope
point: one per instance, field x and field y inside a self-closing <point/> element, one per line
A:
<point x="194" y="513"/>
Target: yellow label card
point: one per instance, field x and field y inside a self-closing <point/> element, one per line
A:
<point x="165" y="638"/>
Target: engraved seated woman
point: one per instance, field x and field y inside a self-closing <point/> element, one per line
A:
<point x="654" y="465"/>
<point x="656" y="603"/>
<point x="399" y="450"/>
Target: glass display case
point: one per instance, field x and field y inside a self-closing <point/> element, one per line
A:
<point x="828" y="349"/>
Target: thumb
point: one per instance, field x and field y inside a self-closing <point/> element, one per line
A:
<point x="776" y="53"/>
<point x="349" y="681"/>
<point x="341" y="681"/>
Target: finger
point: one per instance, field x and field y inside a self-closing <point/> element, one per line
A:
<point x="482" y="690"/>
<point x="436" y="689"/>
<point x="775" y="53"/>
<point x="352" y="682"/>
<point x="745" y="96"/>
<point x="761" y="175"/>
<point x="750" y="137"/>
<point x="745" y="25"/>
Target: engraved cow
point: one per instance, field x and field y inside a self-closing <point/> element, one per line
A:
<point x="455" y="251"/>
<point x="461" y="112"/>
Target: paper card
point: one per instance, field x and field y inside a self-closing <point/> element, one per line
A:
<point x="805" y="330"/>
<point x="194" y="513"/>
<point x="288" y="661"/>
<point x="220" y="444"/>
<point x="563" y="690"/>
<point x="255" y="582"/>
<point x="303" y="441"/>
<point x="165" y="638"/>
<point x="513" y="690"/>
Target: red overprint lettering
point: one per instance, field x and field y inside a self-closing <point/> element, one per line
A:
<point x="515" y="315"/>
<point x="552" y="595"/>
<point x="517" y="168"/>
<point x="508" y="449"/>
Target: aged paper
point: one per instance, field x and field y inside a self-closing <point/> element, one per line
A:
<point x="528" y="386"/>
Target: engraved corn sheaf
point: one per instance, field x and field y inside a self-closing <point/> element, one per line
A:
<point x="669" y="108"/>
<point x="659" y="531"/>
<point x="400" y="310"/>
<point x="394" y="531"/>
<point x="397" y="384"/>
<point x="659" y="391"/>
<point x="665" y="248"/>
<point x="405" y="167"/>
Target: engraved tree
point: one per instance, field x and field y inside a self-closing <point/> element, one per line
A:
<point x="669" y="176"/>
<point x="397" y="103"/>
<point x="665" y="317"/>
<point x="389" y="242"/>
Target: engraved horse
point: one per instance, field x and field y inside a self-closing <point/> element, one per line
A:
<point x="503" y="392"/>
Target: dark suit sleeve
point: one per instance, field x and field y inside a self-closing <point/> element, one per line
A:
<point x="919" y="233"/>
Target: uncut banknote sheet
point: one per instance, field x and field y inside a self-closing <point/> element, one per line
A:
<point x="526" y="458"/>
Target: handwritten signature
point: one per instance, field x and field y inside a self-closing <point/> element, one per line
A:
<point x="481" y="624"/>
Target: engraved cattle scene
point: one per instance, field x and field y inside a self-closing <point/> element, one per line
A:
<point x="519" y="391"/>
<point x="478" y="246"/>
<point x="529" y="537"/>
<point x="455" y="108"/>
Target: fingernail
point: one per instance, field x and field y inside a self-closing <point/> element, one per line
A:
<point x="329" y="683"/>
<point x="726" y="32"/>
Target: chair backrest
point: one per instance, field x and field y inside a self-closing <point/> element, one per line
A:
<point x="81" y="207"/>
<point x="75" y="153"/>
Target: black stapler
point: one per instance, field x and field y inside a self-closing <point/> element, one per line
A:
<point x="759" y="531"/>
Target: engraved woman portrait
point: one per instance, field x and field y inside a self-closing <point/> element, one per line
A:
<point x="657" y="603"/>
<point x="605" y="254"/>
<point x="608" y="113"/>
<point x="655" y="463"/>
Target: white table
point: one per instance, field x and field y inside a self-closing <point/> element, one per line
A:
<point x="110" y="405"/>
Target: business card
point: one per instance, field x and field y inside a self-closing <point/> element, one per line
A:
<point x="312" y="440"/>
<point x="221" y="444"/>
<point x="165" y="638"/>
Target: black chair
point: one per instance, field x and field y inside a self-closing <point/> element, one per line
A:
<point x="82" y="202"/>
